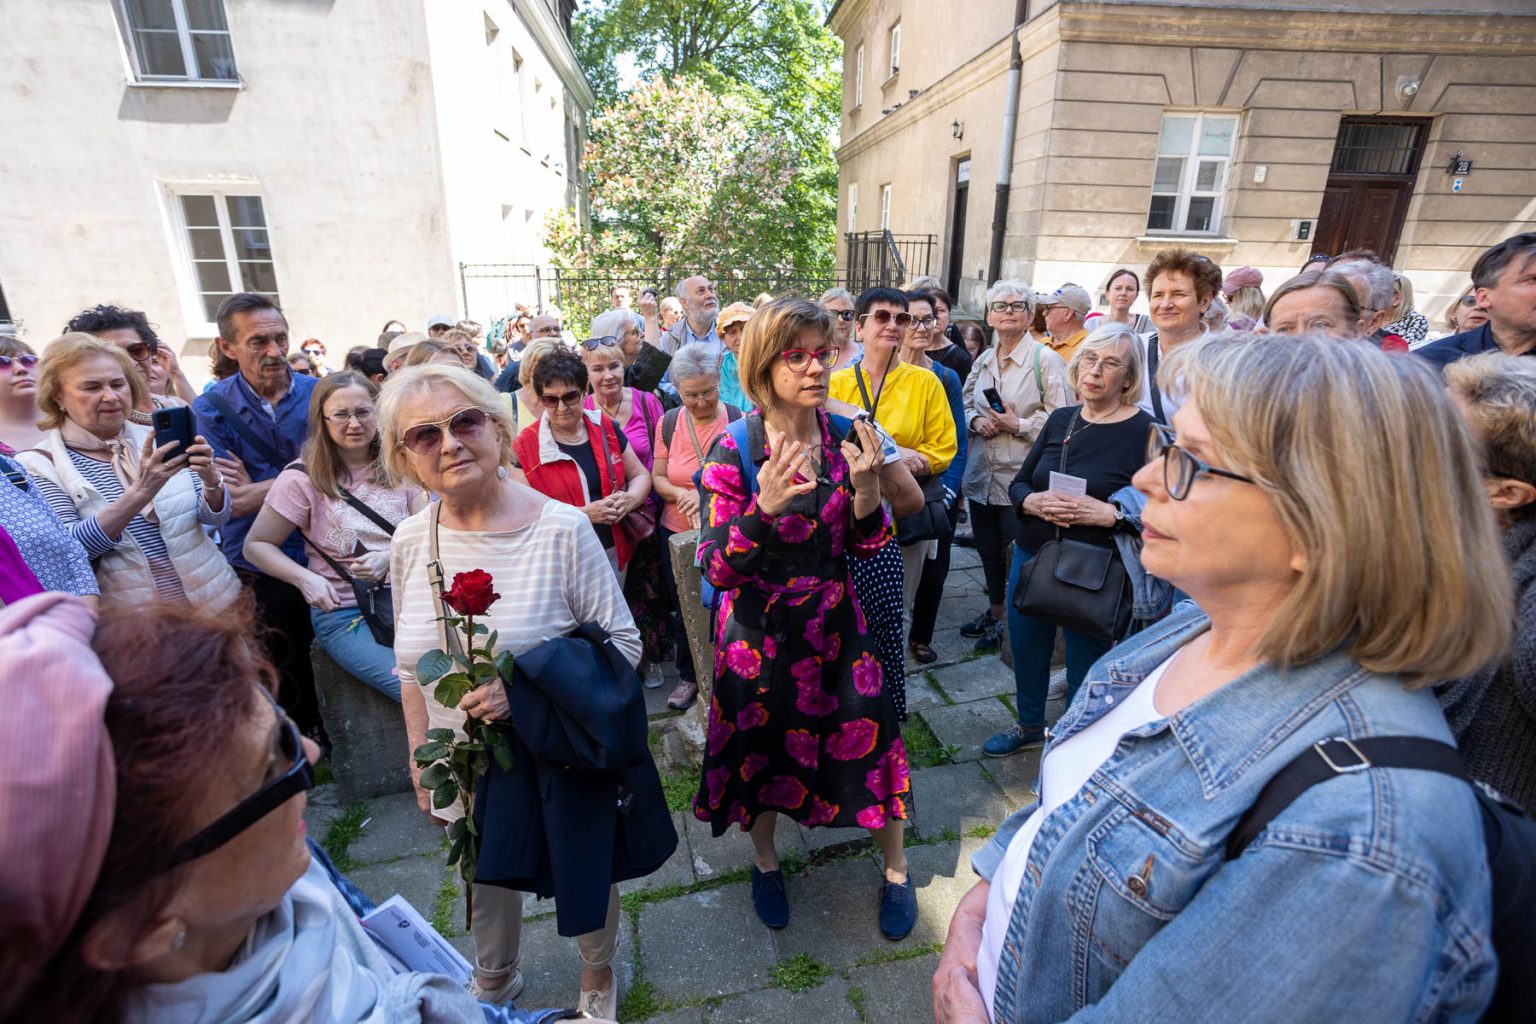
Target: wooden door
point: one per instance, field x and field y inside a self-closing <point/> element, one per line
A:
<point x="957" y="229"/>
<point x="1375" y="164"/>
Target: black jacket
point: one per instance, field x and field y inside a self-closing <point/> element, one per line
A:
<point x="582" y="807"/>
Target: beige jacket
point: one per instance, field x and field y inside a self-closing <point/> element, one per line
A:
<point x="993" y="461"/>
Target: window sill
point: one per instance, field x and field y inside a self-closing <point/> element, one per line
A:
<point x="187" y="83"/>
<point x="891" y="79"/>
<point x="1192" y="241"/>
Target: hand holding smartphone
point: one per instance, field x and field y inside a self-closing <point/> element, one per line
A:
<point x="174" y="426"/>
<point x="994" y="400"/>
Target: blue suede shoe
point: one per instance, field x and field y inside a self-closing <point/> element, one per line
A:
<point x="768" y="897"/>
<point x="1014" y="739"/>
<point x="898" y="909"/>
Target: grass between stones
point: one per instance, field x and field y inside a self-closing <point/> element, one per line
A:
<point x="981" y="832"/>
<point x="933" y="681"/>
<point x="923" y="748"/>
<point x="800" y="973"/>
<point x="679" y="787"/>
<point x="342" y="833"/>
<point x="442" y="903"/>
<point x="856" y="997"/>
<point x="1008" y="703"/>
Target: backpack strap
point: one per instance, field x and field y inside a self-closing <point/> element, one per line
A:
<point x="1039" y="383"/>
<point x="239" y="426"/>
<point x="669" y="426"/>
<point x="739" y="434"/>
<point x="1327" y="759"/>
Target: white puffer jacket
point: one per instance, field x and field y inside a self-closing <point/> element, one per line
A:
<point x="123" y="572"/>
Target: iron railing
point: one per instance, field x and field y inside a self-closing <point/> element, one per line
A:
<point x="881" y="259"/>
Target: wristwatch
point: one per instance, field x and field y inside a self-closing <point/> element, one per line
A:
<point x="1119" y="515"/>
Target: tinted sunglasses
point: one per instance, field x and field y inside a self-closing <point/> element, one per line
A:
<point x="297" y="778"/>
<point x="885" y="316"/>
<point x="26" y="362"/>
<point x="1465" y="300"/>
<point x="141" y="350"/>
<point x="592" y="343"/>
<point x="845" y="315"/>
<point x="423" y="438"/>
<point x="555" y="401"/>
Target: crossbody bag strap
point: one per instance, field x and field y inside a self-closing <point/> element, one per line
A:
<point x="255" y="440"/>
<point x="353" y="500"/>
<point x="1157" y="396"/>
<point x="693" y="435"/>
<point x="335" y="565"/>
<point x="450" y="637"/>
<point x="602" y="436"/>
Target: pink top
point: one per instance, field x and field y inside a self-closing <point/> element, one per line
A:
<point x="636" y="428"/>
<point x="334" y="523"/>
<point x="683" y="461"/>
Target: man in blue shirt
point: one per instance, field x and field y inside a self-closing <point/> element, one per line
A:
<point x="1505" y="280"/>
<point x="697" y="327"/>
<point x="256" y="421"/>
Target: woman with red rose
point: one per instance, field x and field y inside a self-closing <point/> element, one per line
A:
<point x="448" y="431"/>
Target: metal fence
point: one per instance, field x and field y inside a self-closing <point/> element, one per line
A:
<point x="494" y="290"/>
<point x="881" y="259"/>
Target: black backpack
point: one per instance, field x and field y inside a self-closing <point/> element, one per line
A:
<point x="1509" y="833"/>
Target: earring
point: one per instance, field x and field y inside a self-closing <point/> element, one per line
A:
<point x="180" y="940"/>
<point x="501" y="472"/>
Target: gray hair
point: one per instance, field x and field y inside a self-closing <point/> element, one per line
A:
<point x="615" y="323"/>
<point x="1108" y="336"/>
<point x="1018" y="289"/>
<point x="682" y="290"/>
<point x="835" y="293"/>
<point x="1216" y="314"/>
<point x="694" y="360"/>
<point x="1379" y="281"/>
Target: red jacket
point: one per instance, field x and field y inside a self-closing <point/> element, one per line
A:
<point x="563" y="480"/>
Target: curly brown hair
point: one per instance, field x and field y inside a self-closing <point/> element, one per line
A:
<point x="1200" y="269"/>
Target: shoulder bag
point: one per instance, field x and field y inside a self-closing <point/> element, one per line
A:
<point x="931" y="522"/>
<point x="640" y="522"/>
<point x="375" y="601"/>
<point x="1076" y="585"/>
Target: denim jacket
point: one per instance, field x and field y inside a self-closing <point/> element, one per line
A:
<point x="1151" y="597"/>
<point x="1368" y="899"/>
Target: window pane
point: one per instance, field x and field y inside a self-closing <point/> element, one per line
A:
<point x="1208" y="177"/>
<point x="1160" y="218"/>
<point x="206" y="14"/>
<point x="1216" y="136"/>
<point x="252" y="244"/>
<point x="212" y="275"/>
<point x="151" y="14"/>
<point x="1176" y="136"/>
<point x="199" y="211"/>
<point x="211" y="303"/>
<point x="1170" y="171"/>
<point x="259" y="277"/>
<point x="215" y="58"/>
<point x="160" y="55"/>
<point x="206" y="243"/>
<point x="1200" y="210"/>
<point x="246" y="212"/>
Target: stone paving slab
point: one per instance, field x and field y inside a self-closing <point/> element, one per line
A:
<point x="942" y="874"/>
<point x="396" y="828"/>
<point x="896" y="993"/>
<point x="956" y="797"/>
<point x="832" y="913"/>
<point x="818" y="839"/>
<point x="678" y="870"/>
<point x="968" y="726"/>
<point x="733" y="850"/>
<point x="415" y="878"/>
<point x="827" y="1003"/>
<point x="706" y="944"/>
<point x="1014" y="775"/>
<point x="686" y="1015"/>
<point x="920" y="693"/>
<point x="975" y="680"/>
<point x="551" y="963"/>
<point x="322" y="807"/>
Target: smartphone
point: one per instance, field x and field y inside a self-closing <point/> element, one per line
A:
<point x="176" y="426"/>
<point x="994" y="399"/>
<point x="853" y="434"/>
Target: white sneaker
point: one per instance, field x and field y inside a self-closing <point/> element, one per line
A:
<point x="507" y="991"/>
<point x="654" y="678"/>
<point x="601" y="1003"/>
<point x="1058" y="687"/>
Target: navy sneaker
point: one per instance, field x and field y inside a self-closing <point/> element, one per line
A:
<point x="768" y="897"/>
<point x="898" y="909"/>
<point x="1014" y="739"/>
<point x="992" y="639"/>
<point x="978" y="626"/>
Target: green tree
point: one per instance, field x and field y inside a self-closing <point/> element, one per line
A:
<point x="724" y="154"/>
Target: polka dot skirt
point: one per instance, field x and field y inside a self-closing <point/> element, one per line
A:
<point x="877" y="583"/>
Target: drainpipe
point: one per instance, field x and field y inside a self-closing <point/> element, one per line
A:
<point x="1005" y="163"/>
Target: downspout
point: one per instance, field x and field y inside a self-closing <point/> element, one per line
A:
<point x="1005" y="162"/>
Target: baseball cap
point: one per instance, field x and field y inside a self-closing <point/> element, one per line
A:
<point x="439" y="320"/>
<point x="1074" y="297"/>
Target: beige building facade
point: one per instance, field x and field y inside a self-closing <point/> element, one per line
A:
<point x="1254" y="133"/>
<point x="346" y="157"/>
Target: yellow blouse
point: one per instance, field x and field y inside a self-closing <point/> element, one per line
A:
<point x="912" y="409"/>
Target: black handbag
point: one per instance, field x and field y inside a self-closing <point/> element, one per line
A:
<point x="1075" y="585"/>
<point x="931" y="522"/>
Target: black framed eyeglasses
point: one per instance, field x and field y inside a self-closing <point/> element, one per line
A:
<point x="298" y="778"/>
<point x="1009" y="307"/>
<point x="1181" y="469"/>
<point x="593" y="343"/>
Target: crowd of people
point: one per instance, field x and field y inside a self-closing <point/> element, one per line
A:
<point x="1261" y="525"/>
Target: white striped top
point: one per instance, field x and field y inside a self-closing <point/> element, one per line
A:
<point x="552" y="576"/>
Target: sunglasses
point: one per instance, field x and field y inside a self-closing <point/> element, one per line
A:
<point x="592" y="343"/>
<point x="299" y="777"/>
<point x="141" y="350"/>
<point x="466" y="425"/>
<point x="845" y="315"/>
<point x="1181" y="469"/>
<point x="1009" y="307"/>
<point x="798" y="359"/>
<point x="1466" y="300"/>
<point x="885" y="316"/>
<point x="26" y="362"/>
<point x="556" y="401"/>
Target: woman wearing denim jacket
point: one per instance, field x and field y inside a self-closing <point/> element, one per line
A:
<point x="1322" y="503"/>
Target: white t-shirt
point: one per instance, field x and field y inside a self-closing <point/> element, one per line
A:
<point x="1072" y="763"/>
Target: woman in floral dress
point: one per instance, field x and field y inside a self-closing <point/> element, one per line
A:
<point x="799" y="723"/>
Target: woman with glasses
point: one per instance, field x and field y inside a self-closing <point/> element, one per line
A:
<point x="342" y="502"/>
<point x="1029" y="381"/>
<point x="19" y="413"/>
<point x="626" y="328"/>
<point x="447" y="431"/>
<point x="139" y="510"/>
<point x="799" y="723"/>
<point x="1120" y="293"/>
<point x="946" y="346"/>
<point x="1100" y="444"/>
<point x="1466" y="313"/>
<point x="582" y="458"/>
<point x="839" y="305"/>
<point x="1307" y="637"/>
<point x="175" y="883"/>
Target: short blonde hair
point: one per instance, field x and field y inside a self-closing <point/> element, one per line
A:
<point x="775" y="327"/>
<point x="477" y="391"/>
<point x="64" y="352"/>
<point x="535" y="350"/>
<point x="1500" y="392"/>
<point x="1107" y="337"/>
<point x="1375" y="477"/>
<point x="425" y="351"/>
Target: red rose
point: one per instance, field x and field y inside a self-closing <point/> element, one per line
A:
<point x="471" y="593"/>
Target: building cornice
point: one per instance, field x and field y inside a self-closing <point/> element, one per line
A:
<point x="546" y="31"/>
<point x="846" y="14"/>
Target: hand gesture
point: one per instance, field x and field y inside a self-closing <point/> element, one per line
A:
<point x="864" y="459"/>
<point x="166" y="357"/>
<point x="370" y="565"/>
<point x="646" y="304"/>
<point x="154" y="471"/>
<point x="781" y="479"/>
<point x="1056" y="509"/>
<point x="916" y="462"/>
<point x="200" y="459"/>
<point x="318" y="592"/>
<point x="488" y="703"/>
<point x="600" y="512"/>
<point x="986" y="425"/>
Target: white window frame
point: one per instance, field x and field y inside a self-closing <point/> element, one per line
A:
<point x="895" y="49"/>
<point x="858" y="78"/>
<point x="1193" y="158"/>
<point x="853" y="207"/>
<point x="885" y="207"/>
<point x="198" y="325"/>
<point x="188" y="54"/>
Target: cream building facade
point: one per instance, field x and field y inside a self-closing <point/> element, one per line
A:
<point x="346" y="156"/>
<point x="1255" y="133"/>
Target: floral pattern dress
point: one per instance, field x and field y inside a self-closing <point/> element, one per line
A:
<point x="799" y="720"/>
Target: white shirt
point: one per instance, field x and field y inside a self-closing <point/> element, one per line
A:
<point x="1072" y="762"/>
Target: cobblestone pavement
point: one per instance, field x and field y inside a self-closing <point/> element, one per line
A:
<point x="690" y="950"/>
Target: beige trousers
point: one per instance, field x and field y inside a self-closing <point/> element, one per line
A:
<point x="912" y="558"/>
<point x="496" y="921"/>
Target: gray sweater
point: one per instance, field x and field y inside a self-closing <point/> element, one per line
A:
<point x="1493" y="712"/>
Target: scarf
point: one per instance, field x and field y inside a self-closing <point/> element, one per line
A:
<point x="125" y="457"/>
<point x="308" y="960"/>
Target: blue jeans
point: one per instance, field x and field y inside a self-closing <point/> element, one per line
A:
<point x="355" y="649"/>
<point x="1033" y="642"/>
